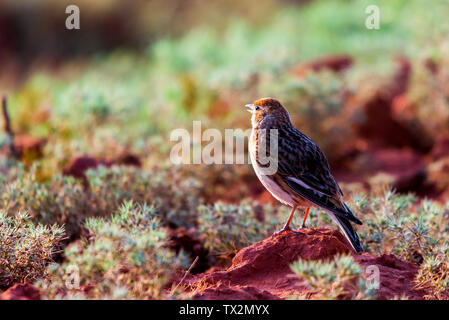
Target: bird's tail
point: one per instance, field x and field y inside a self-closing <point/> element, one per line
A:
<point x="348" y="231"/>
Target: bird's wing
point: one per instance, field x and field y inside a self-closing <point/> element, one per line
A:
<point x="304" y="168"/>
<point x="330" y="203"/>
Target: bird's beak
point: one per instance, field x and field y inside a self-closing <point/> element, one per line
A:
<point x="250" y="108"/>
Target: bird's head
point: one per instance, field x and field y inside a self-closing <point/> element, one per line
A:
<point x="268" y="109"/>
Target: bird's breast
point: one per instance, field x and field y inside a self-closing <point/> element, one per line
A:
<point x="268" y="181"/>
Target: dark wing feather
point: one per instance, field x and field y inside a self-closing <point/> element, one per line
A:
<point x="303" y="166"/>
<point x="316" y="183"/>
<point x="350" y="233"/>
<point x="336" y="206"/>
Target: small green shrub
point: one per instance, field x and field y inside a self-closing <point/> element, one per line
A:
<point x="175" y="195"/>
<point x="63" y="200"/>
<point x="25" y="248"/>
<point x="392" y="223"/>
<point x="228" y="228"/>
<point x="126" y="257"/>
<point x="433" y="277"/>
<point x="335" y="279"/>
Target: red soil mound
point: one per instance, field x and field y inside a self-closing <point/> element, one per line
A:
<point x="261" y="271"/>
<point x="21" y="292"/>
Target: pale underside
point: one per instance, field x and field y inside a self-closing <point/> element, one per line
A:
<point x="272" y="186"/>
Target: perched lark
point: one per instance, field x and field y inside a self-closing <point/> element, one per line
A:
<point x="303" y="178"/>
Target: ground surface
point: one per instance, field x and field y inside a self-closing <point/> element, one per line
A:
<point x="261" y="271"/>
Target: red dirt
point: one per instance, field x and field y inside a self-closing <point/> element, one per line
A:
<point x="261" y="271"/>
<point x="181" y="238"/>
<point x="29" y="146"/>
<point x="423" y="174"/>
<point x="441" y="148"/>
<point x="128" y="159"/>
<point x="399" y="163"/>
<point x="335" y="63"/>
<point x="266" y="198"/>
<point x="431" y="65"/>
<point x="385" y="112"/>
<point x="21" y="292"/>
<point x="77" y="167"/>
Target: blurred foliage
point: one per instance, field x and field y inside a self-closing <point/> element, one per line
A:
<point x="124" y="101"/>
<point x="63" y="200"/>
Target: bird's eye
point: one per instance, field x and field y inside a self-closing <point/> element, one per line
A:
<point x="257" y="108"/>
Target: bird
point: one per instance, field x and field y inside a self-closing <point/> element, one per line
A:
<point x="302" y="177"/>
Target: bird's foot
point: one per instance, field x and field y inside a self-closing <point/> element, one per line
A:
<point x="303" y="227"/>
<point x="284" y="229"/>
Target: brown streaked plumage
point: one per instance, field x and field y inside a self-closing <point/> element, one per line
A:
<point x="303" y="177"/>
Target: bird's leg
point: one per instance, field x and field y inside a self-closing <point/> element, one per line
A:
<point x="287" y="224"/>
<point x="306" y="213"/>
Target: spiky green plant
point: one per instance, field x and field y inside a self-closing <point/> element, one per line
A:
<point x="125" y="257"/>
<point x="63" y="200"/>
<point x="340" y="278"/>
<point x="433" y="277"/>
<point x="392" y="223"/>
<point x="228" y="228"/>
<point x="25" y="248"/>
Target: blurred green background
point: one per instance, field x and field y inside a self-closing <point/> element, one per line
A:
<point x="135" y="70"/>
